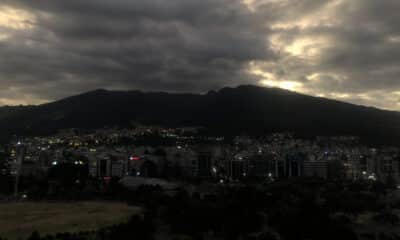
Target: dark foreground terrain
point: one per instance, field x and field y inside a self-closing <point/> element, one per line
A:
<point x="296" y="209"/>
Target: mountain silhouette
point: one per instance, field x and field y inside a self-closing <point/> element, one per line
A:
<point x="250" y="110"/>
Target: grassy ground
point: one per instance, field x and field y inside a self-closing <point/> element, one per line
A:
<point x="19" y="220"/>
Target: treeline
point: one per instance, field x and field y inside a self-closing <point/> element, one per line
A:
<point x="294" y="209"/>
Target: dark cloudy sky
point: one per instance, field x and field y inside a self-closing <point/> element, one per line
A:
<point x="343" y="49"/>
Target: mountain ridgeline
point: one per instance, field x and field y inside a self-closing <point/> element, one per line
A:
<point x="247" y="110"/>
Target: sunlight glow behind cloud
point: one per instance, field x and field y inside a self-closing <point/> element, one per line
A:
<point x="15" y="19"/>
<point x="346" y="50"/>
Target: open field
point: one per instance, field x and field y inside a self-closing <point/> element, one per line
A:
<point x="19" y="220"/>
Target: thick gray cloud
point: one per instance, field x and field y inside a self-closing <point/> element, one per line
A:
<point x="347" y="50"/>
<point x="177" y="45"/>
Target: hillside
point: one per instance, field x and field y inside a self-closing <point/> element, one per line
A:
<point x="243" y="110"/>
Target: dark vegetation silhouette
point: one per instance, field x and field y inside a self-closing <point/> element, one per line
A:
<point x="291" y="209"/>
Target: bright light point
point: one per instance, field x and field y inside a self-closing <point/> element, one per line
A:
<point x="372" y="177"/>
<point x="134" y="158"/>
<point x="288" y="85"/>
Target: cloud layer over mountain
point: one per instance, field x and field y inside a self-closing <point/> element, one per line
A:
<point x="347" y="50"/>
